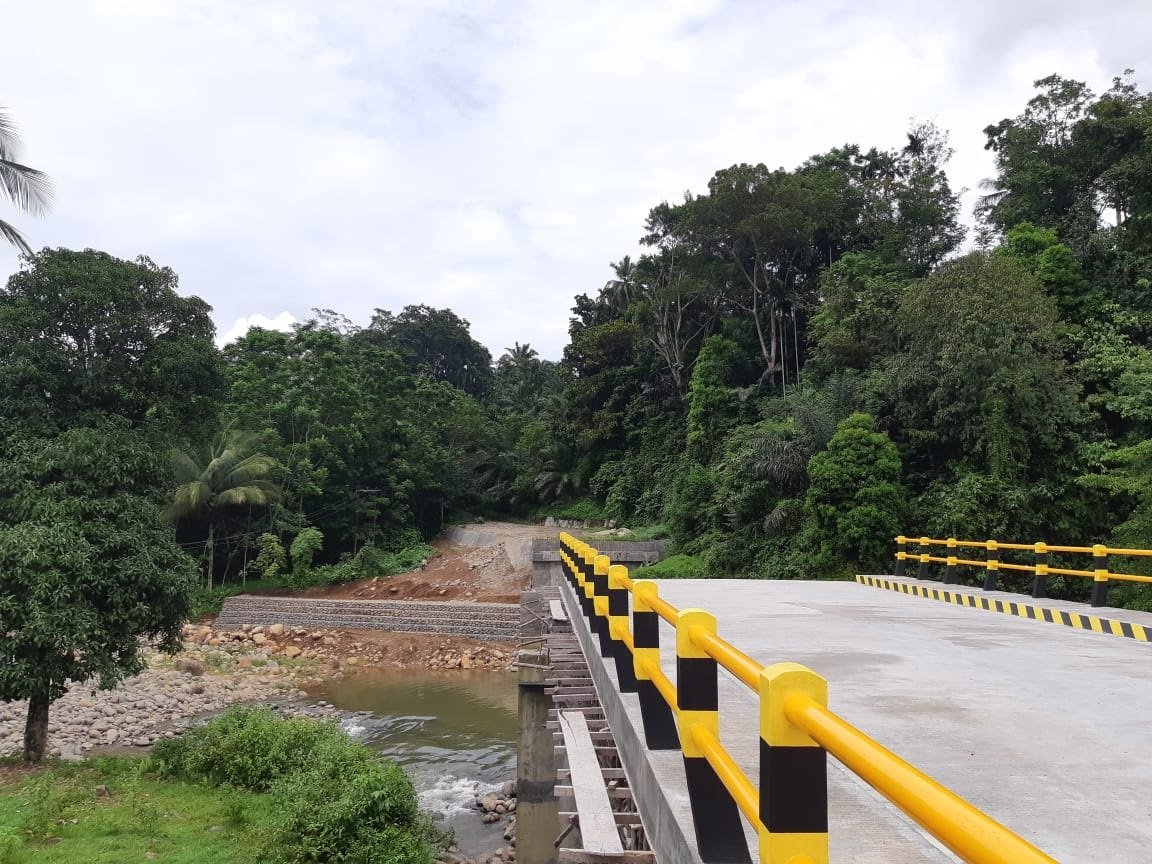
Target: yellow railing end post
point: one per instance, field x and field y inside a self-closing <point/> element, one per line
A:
<point x="793" y="770"/>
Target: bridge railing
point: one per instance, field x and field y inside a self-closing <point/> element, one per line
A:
<point x="787" y="806"/>
<point x="992" y="563"/>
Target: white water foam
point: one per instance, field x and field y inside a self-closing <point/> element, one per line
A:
<point x="450" y="795"/>
<point x="354" y="730"/>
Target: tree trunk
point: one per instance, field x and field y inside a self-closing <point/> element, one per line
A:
<point x="36" y="729"/>
<point x="211" y="552"/>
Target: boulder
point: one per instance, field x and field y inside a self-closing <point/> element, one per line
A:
<point x="276" y="630"/>
<point x="188" y="665"/>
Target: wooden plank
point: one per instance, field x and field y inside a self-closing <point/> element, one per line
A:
<point x="565" y="774"/>
<point x="622" y="794"/>
<point x="557" y="610"/>
<point x="583" y="856"/>
<point x="597" y="824"/>
<point x="621" y="818"/>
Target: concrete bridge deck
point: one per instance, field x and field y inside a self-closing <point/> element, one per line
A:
<point x="1046" y="728"/>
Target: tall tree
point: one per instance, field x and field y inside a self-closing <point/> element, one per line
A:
<point x="435" y="342"/>
<point x="28" y="189"/>
<point x="88" y="574"/>
<point x="88" y="335"/>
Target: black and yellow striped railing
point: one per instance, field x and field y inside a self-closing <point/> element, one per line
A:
<point x="993" y="564"/>
<point x="788" y="806"/>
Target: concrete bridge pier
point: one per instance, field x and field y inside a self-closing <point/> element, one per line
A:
<point x="537" y="809"/>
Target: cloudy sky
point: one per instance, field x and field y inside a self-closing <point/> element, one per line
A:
<point x="491" y="157"/>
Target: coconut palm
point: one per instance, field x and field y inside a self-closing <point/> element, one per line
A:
<point x="229" y="472"/>
<point x="30" y="190"/>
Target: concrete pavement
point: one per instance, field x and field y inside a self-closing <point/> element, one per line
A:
<point x="1044" y="727"/>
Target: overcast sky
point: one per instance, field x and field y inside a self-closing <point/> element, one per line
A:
<point x="490" y="157"/>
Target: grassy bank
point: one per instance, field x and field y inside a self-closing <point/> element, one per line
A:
<point x="248" y="787"/>
<point x="113" y="810"/>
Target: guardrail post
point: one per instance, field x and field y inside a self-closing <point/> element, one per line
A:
<point x="715" y="816"/>
<point x="901" y="554"/>
<point x="600" y="565"/>
<point x="617" y="624"/>
<point x="992" y="573"/>
<point x="925" y="554"/>
<point x="586" y="556"/>
<point x="950" y="568"/>
<point x="659" y="722"/>
<point x="1100" y="577"/>
<point x="1040" y="580"/>
<point x="793" y="771"/>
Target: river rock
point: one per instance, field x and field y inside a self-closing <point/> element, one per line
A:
<point x="276" y="630"/>
<point x="187" y="664"/>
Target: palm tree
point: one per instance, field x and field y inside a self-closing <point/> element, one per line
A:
<point x="228" y="472"/>
<point x="30" y="190"/>
<point x="564" y="473"/>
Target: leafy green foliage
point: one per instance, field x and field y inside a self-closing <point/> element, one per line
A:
<point x="248" y="748"/>
<point x="335" y="800"/>
<point x="87" y="336"/>
<point x="304" y="548"/>
<point x="86" y="567"/>
<point x="855" y="500"/>
<point x="272" y="558"/>
<point x="712" y="406"/>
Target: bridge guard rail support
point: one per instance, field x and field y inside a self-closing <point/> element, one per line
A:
<point x="1040" y="580"/>
<point x="793" y="771"/>
<point x="659" y="720"/>
<point x="925" y="554"/>
<point x="901" y="555"/>
<point x="715" y="814"/>
<point x="618" y="626"/>
<point x="600" y="565"/>
<point x="992" y="563"/>
<point x="950" y="569"/>
<point x="589" y="587"/>
<point x="1100" y="579"/>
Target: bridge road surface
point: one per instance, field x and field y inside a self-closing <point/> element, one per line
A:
<point x="1046" y="728"/>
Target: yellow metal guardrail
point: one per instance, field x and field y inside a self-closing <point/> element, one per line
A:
<point x="992" y="564"/>
<point x="788" y="807"/>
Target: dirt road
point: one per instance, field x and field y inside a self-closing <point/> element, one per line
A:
<point x="487" y="562"/>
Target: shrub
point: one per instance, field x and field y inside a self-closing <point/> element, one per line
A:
<point x="335" y="811"/>
<point x="334" y="800"/>
<point x="250" y="748"/>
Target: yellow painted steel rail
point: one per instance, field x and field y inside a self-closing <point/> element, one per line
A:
<point x="795" y="723"/>
<point x="1099" y="553"/>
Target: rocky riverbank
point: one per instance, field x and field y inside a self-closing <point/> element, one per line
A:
<point x="156" y="704"/>
<point x="348" y="649"/>
<point x="219" y="668"/>
<point x="494" y="807"/>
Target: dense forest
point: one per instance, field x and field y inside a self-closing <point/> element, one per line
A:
<point x="800" y="365"/>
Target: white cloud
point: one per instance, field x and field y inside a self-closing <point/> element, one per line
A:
<point x="495" y="157"/>
<point x="282" y="322"/>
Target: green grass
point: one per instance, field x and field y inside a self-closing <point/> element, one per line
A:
<point x="673" y="567"/>
<point x="58" y="817"/>
<point x="648" y="532"/>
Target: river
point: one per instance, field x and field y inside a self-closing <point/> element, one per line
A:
<point x="453" y="731"/>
